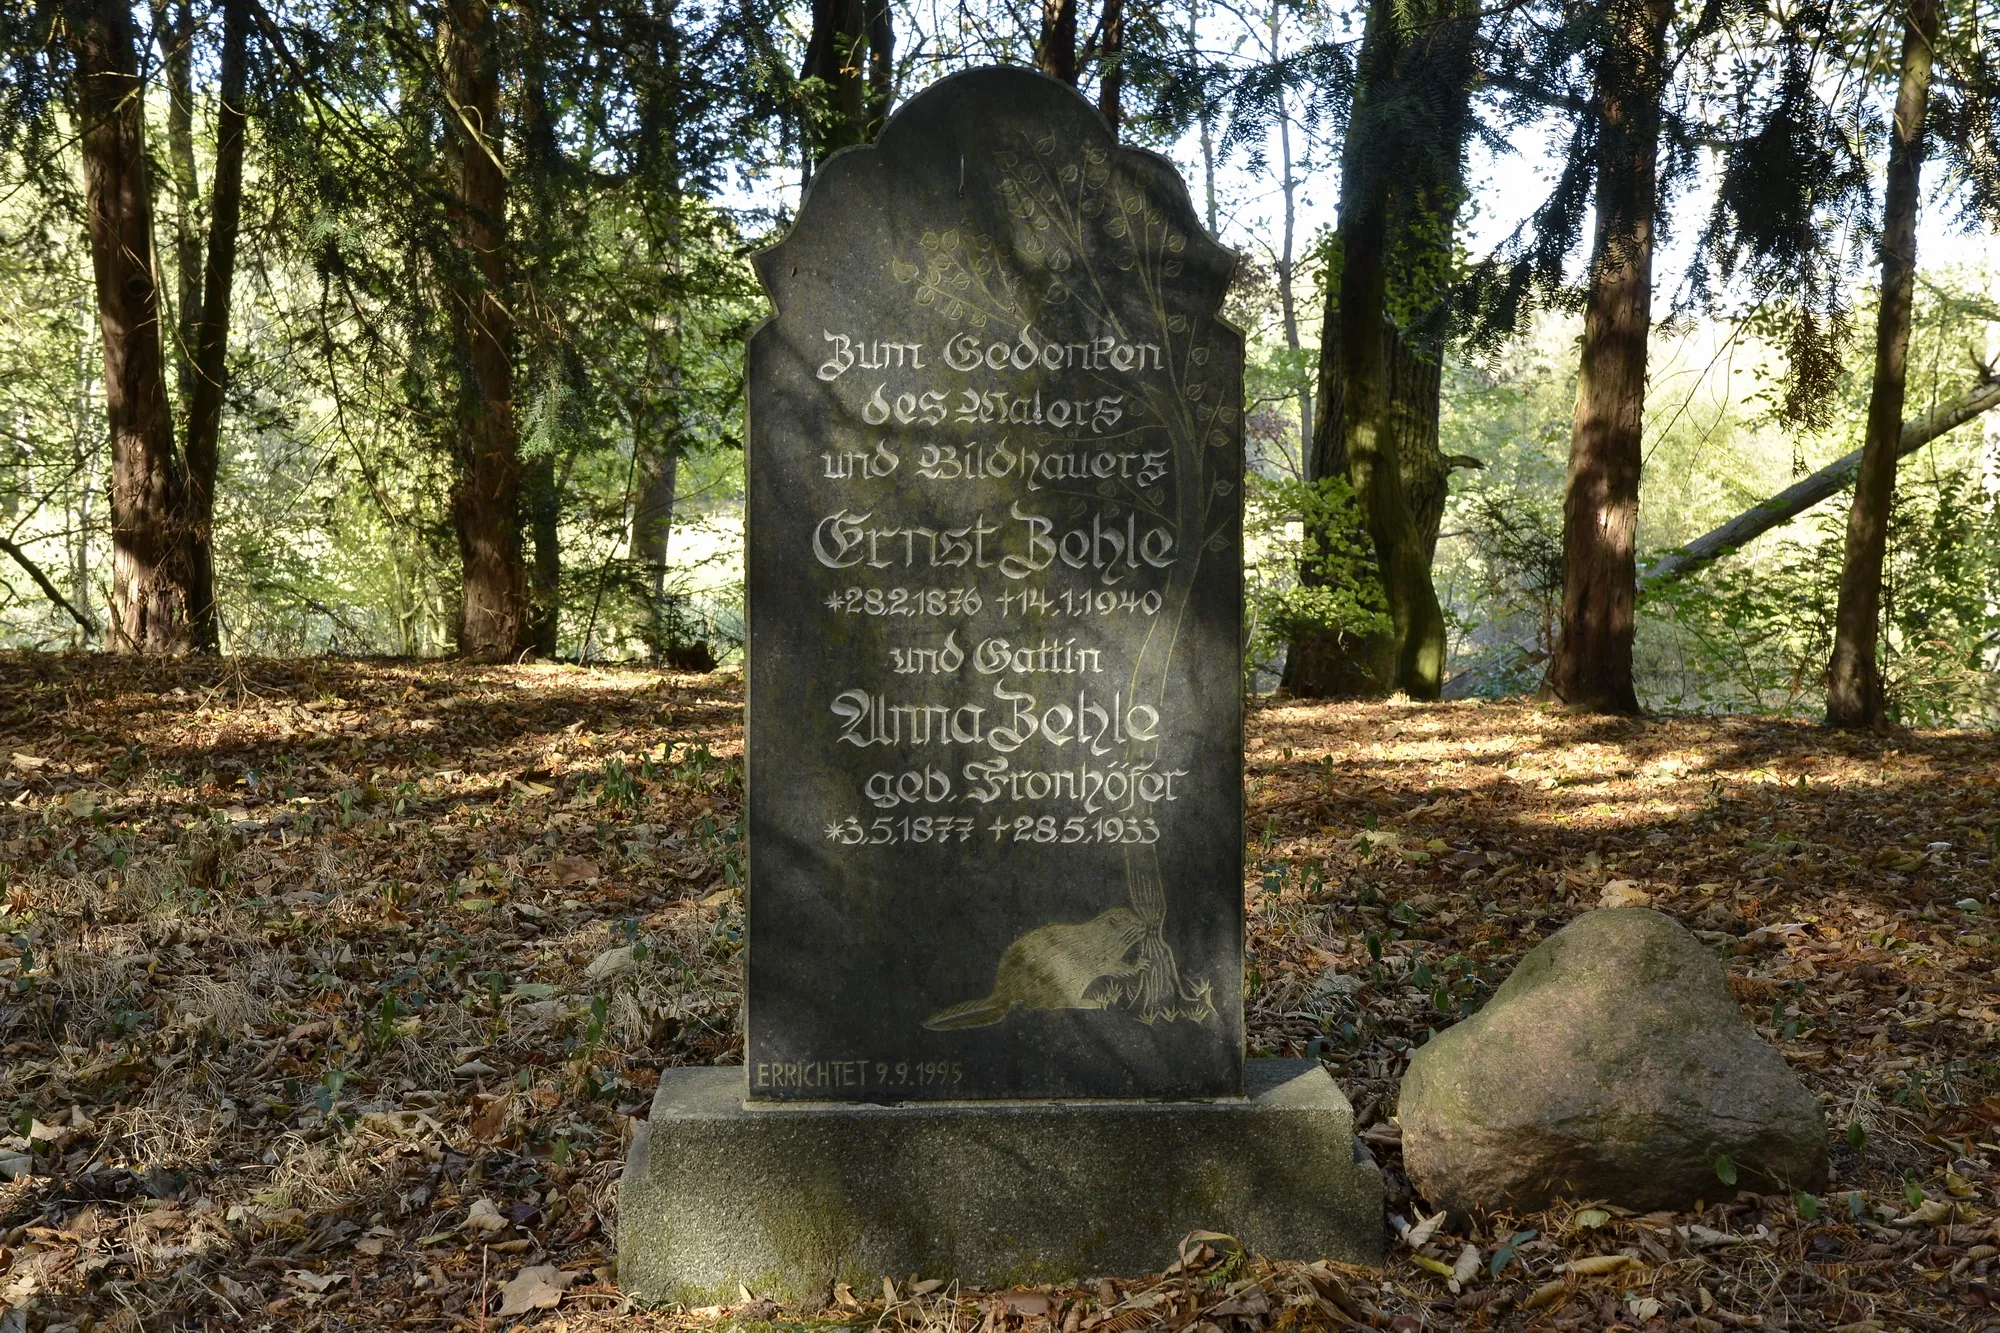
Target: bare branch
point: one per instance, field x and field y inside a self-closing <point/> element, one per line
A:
<point x="42" y="580"/>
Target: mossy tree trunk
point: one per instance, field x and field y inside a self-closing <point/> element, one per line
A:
<point x="1377" y="424"/>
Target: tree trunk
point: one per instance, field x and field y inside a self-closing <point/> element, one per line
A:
<point x="838" y="114"/>
<point x="1288" y="187"/>
<point x="881" y="66"/>
<point x="1322" y="667"/>
<point x="149" y="567"/>
<point x="211" y="345"/>
<point x="544" y="505"/>
<point x="1399" y="200"/>
<point x="1111" y="71"/>
<point x="173" y="31"/>
<point x="1193" y="53"/>
<point x="83" y="448"/>
<point x="1055" y="54"/>
<point x="1367" y="421"/>
<point x="486" y="497"/>
<point x="548" y="355"/>
<point x="1854" y="697"/>
<point x="1592" y="667"/>
<point x="652" y="527"/>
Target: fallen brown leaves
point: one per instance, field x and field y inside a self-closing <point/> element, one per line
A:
<point x="328" y="991"/>
<point x="1408" y="855"/>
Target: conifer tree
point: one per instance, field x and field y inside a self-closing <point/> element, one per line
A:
<point x="1592" y="666"/>
<point x="152" y="588"/>
<point x="1854" y="697"/>
<point x="849" y="73"/>
<point x="84" y="61"/>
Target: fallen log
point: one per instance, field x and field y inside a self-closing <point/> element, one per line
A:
<point x="1837" y="476"/>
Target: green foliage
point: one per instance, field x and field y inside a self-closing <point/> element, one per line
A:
<point x="1755" y="635"/>
<point x="1512" y="580"/>
<point x="1307" y="585"/>
<point x="641" y="173"/>
<point x="1498" y="569"/>
<point x="628" y="292"/>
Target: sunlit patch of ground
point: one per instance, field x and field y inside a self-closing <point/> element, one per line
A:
<point x="329" y="992"/>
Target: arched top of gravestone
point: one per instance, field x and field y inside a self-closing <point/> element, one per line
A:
<point x="1000" y="198"/>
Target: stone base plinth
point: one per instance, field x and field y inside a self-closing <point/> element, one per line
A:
<point x="789" y="1199"/>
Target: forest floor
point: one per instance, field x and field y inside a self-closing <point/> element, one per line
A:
<point x="320" y="1006"/>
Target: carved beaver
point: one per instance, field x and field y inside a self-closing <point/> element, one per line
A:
<point x="1063" y="966"/>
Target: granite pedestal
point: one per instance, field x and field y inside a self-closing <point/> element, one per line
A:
<point x="789" y="1199"/>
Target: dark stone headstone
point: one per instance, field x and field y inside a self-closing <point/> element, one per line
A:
<point x="995" y="749"/>
<point x="995" y="603"/>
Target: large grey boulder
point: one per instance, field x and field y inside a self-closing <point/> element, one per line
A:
<point x="1613" y="1064"/>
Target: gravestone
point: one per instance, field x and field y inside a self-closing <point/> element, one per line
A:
<point x="994" y="744"/>
<point x="995" y="599"/>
